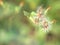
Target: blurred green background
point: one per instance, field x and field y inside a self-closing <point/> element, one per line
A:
<point x="15" y="26"/>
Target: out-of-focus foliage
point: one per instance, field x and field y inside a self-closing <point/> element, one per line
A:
<point x="16" y="28"/>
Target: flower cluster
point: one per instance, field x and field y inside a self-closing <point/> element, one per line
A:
<point x="41" y="19"/>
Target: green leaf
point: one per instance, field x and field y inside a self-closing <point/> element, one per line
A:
<point x="26" y="13"/>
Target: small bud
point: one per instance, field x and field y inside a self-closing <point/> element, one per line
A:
<point x="1" y="2"/>
<point x="53" y="21"/>
<point x="21" y="4"/>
